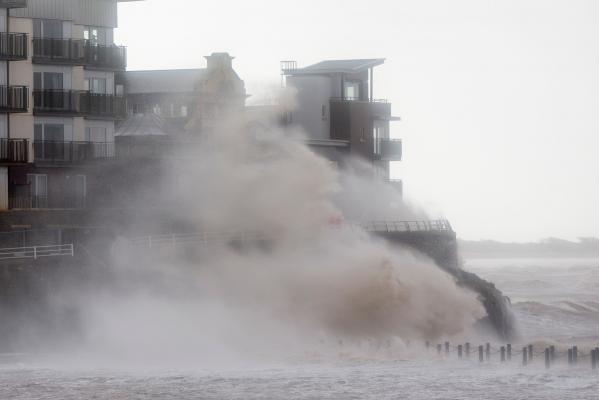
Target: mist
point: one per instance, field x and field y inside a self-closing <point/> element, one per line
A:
<point x="307" y="281"/>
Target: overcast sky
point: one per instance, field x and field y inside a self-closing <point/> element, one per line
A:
<point x="499" y="98"/>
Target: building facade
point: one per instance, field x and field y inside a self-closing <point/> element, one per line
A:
<point x="336" y="107"/>
<point x="58" y="98"/>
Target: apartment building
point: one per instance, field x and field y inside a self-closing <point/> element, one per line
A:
<point x="336" y="106"/>
<point x="58" y="98"/>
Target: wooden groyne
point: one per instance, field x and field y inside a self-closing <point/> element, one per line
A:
<point x="526" y="355"/>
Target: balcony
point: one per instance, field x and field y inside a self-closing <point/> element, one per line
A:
<point x="14" y="151"/>
<point x="54" y="101"/>
<point x="13" y="46"/>
<point x="103" y="106"/>
<point x="59" y="51"/>
<point x="109" y="58"/>
<point x="79" y="52"/>
<point x="14" y="99"/>
<point x="63" y="152"/>
<point x="389" y="149"/>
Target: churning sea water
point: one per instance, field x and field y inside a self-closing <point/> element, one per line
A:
<point x="556" y="301"/>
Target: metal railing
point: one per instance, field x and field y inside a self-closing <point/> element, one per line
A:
<point x="58" y="51"/>
<point x="441" y="225"/>
<point x="64" y="152"/>
<point x="79" y="52"/>
<point x="36" y="252"/>
<point x="57" y="101"/>
<point x="14" y="150"/>
<point x="13" y="3"/>
<point x="359" y="99"/>
<point x="13" y="46"/>
<point x="208" y="238"/>
<point x="113" y="58"/>
<point x="27" y="202"/>
<point x="14" y="98"/>
<point x="103" y="105"/>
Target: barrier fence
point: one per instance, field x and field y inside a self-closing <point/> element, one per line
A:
<point x="36" y="252"/>
<point x="205" y="238"/>
<point x="573" y="356"/>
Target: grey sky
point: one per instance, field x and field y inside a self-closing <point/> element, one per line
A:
<point x="499" y="99"/>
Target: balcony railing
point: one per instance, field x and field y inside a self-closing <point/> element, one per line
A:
<point x="14" y="99"/>
<point x="389" y="149"/>
<point x="13" y="46"/>
<point x="57" y="102"/>
<point x="25" y="202"/>
<point x="14" y="150"/>
<point x="78" y="102"/>
<point x="79" y="52"/>
<point x="112" y="58"/>
<point x="71" y="152"/>
<point x="103" y="105"/>
<point x="13" y="3"/>
<point x="58" y="51"/>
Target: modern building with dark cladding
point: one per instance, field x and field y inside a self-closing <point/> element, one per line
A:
<point x="335" y="105"/>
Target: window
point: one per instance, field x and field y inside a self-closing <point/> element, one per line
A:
<point x="352" y="90"/>
<point x="324" y="112"/>
<point x="49" y="132"/>
<point x="96" y="85"/>
<point x="76" y="191"/>
<point x="95" y="35"/>
<point x="48" y="29"/>
<point x="48" y="81"/>
<point x="96" y="134"/>
<point x="120" y="90"/>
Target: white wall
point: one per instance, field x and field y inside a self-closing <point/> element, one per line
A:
<point x="313" y="92"/>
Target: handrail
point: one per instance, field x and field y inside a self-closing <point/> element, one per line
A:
<point x="36" y="252"/>
<point x="204" y="238"/>
<point x="359" y="100"/>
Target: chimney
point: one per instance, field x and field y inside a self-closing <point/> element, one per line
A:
<point x="219" y="60"/>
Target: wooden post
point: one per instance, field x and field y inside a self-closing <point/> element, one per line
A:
<point x="447" y="348"/>
<point x="439" y="347"/>
<point x="460" y="351"/>
<point x="524" y="356"/>
<point x="569" y="356"/>
<point x="575" y="355"/>
<point x="467" y="350"/>
<point x="502" y="354"/>
<point x="509" y="352"/>
<point x="480" y="353"/>
<point x="547" y="358"/>
<point x="530" y="352"/>
<point x="488" y="351"/>
<point x="552" y="352"/>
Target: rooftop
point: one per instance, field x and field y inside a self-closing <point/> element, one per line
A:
<point x="149" y="124"/>
<point x="163" y="81"/>
<point x="337" y="66"/>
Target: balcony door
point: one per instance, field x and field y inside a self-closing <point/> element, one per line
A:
<point x="38" y="189"/>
